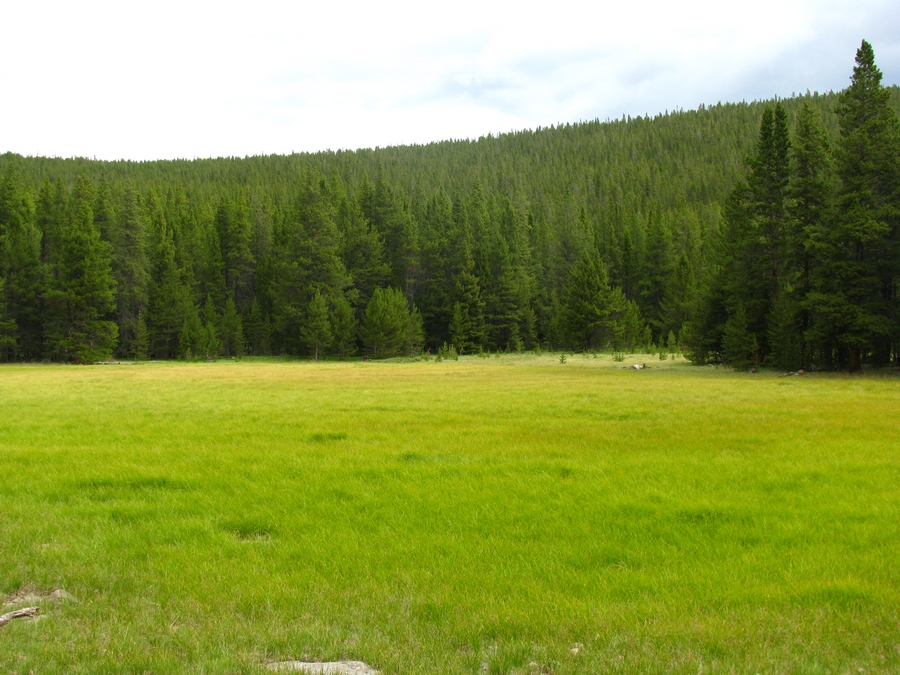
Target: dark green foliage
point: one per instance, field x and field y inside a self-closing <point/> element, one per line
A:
<point x="170" y="304"/>
<point x="386" y="329"/>
<point x="361" y="250"/>
<point x="20" y="271"/>
<point x="810" y="216"/>
<point x="234" y="230"/>
<point x="307" y="261"/>
<point x="592" y="310"/>
<point x="467" y="320"/>
<point x="232" y="334"/>
<point x="192" y="337"/>
<point x="757" y="231"/>
<point x="739" y="346"/>
<point x="316" y="329"/>
<point x="80" y="298"/>
<point x="813" y="254"/>
<point x="130" y="265"/>
<point x="344" y="327"/>
<point x="257" y="330"/>
<point x="140" y="345"/>
<point x="857" y="297"/>
<point x="785" y="331"/>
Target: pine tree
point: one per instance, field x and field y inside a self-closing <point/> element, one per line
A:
<point x="760" y="249"/>
<point x="210" y="344"/>
<point x="414" y="338"/>
<point x="307" y="260"/>
<point x="385" y="324"/>
<point x="81" y="297"/>
<point x="7" y="326"/>
<point x="467" y="324"/>
<point x="785" y="334"/>
<point x="131" y="270"/>
<point x="361" y="250"/>
<point x="232" y="331"/>
<point x="810" y="220"/>
<point x="192" y="336"/>
<point x="232" y="223"/>
<point x="316" y="329"/>
<point x="104" y="214"/>
<point x="391" y="219"/>
<point x="739" y="346"/>
<point x="20" y="272"/>
<point x="862" y="249"/>
<point x="658" y="266"/>
<point x="752" y="251"/>
<point x="170" y="301"/>
<point x="344" y="327"/>
<point x="589" y="306"/>
<point x="679" y="297"/>
<point x="140" y="345"/>
<point x="254" y="328"/>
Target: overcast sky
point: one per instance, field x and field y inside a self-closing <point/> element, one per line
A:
<point x="159" y="80"/>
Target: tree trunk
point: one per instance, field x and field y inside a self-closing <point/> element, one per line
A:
<point x="855" y="360"/>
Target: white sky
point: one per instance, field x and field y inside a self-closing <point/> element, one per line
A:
<point x="141" y="80"/>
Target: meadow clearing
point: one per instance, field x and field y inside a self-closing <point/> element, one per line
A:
<point x="499" y="515"/>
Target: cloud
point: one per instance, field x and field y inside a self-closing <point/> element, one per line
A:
<point x="207" y="79"/>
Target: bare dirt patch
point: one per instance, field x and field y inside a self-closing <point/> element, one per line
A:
<point x="323" y="668"/>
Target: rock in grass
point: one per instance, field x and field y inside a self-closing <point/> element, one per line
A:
<point x="324" y="668"/>
<point x="27" y="597"/>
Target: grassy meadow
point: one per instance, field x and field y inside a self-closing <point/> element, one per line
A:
<point x="499" y="515"/>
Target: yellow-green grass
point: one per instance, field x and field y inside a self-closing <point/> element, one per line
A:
<point x="500" y="515"/>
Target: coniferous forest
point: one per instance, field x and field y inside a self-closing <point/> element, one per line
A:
<point x="763" y="233"/>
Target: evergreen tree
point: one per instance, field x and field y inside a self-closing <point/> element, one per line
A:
<point x="739" y="346"/>
<point x="760" y="247"/>
<point x="20" y="273"/>
<point x="414" y="338"/>
<point x="344" y="326"/>
<point x="679" y="297"/>
<point x="192" y="336"/>
<point x="140" y="345"/>
<point x="104" y="214"/>
<point x="361" y="250"/>
<point x="7" y="326"/>
<point x="80" y="299"/>
<point x="385" y="324"/>
<point x="130" y="265"/>
<point x="307" y="262"/>
<point x="810" y="220"/>
<point x="857" y="297"/>
<point x="232" y="331"/>
<point x="590" y="307"/>
<point x="255" y="329"/>
<point x="390" y="218"/>
<point x="785" y="336"/>
<point x="210" y="344"/>
<point x="812" y="259"/>
<point x="170" y="301"/>
<point x="232" y="224"/>
<point x="316" y="329"/>
<point x="467" y="324"/>
<point x="657" y="269"/>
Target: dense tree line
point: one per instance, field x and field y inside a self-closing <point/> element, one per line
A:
<point x="624" y="235"/>
<point x="809" y="265"/>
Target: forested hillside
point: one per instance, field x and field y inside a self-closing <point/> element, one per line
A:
<point x="760" y="232"/>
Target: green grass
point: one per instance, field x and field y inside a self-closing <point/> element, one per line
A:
<point x="485" y="515"/>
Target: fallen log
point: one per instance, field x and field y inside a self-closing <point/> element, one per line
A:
<point x="25" y="613"/>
